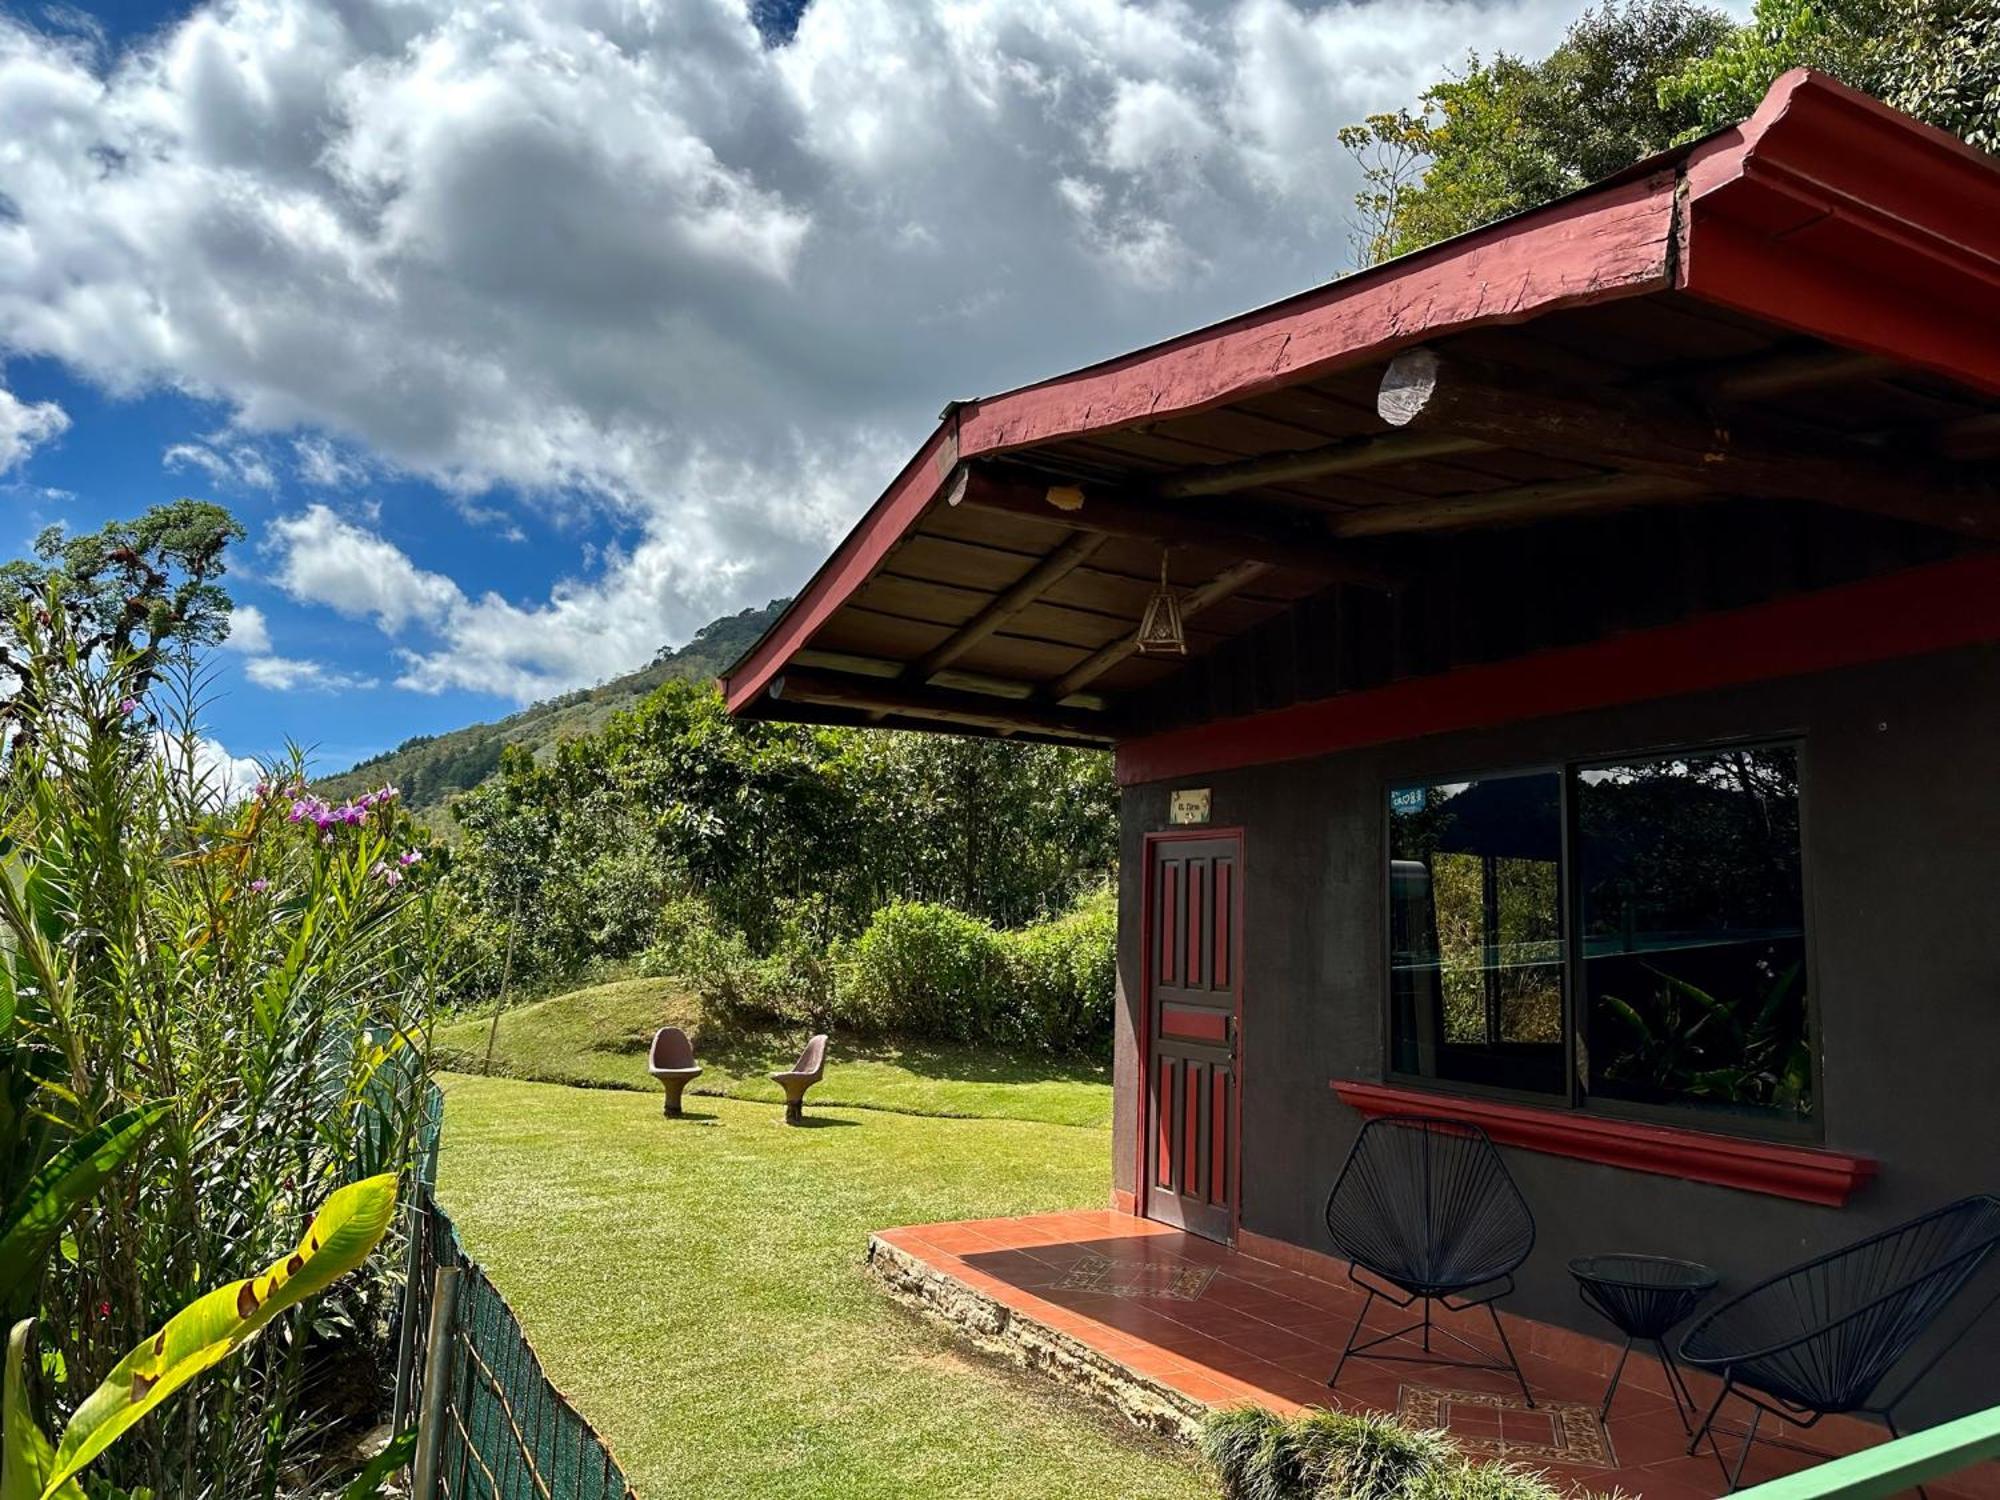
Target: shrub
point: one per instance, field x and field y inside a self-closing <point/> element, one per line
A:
<point x="1061" y="976"/>
<point x="1330" y="1455"/>
<point x="710" y="958"/>
<point x="925" y="971"/>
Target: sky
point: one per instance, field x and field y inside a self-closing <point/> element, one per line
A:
<point x="526" y="338"/>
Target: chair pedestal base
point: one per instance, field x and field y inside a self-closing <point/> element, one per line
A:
<point x="675" y="1083"/>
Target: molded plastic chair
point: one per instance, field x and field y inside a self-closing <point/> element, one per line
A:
<point x="1824" y="1336"/>
<point x="803" y="1074"/>
<point x="1426" y="1206"/>
<point x="672" y="1062"/>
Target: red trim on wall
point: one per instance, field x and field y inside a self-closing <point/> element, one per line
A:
<point x="1806" y="1173"/>
<point x="1123" y="1202"/>
<point x="1900" y="614"/>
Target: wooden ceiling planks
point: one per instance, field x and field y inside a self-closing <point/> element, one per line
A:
<point x="959" y="560"/>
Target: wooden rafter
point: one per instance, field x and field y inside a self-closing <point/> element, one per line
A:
<point x="1593" y="495"/>
<point x="1643" y="434"/>
<point x="854" y="664"/>
<point x="1349" y="456"/>
<point x="974" y="710"/>
<point x="1265" y="534"/>
<point x="1227" y="582"/>
<point x="1036" y="582"/>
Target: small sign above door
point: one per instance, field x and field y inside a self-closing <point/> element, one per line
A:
<point x="1188" y="805"/>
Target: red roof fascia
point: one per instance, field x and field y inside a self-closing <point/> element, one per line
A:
<point x="1590" y="248"/>
<point x="1826" y="211"/>
<point x="1934" y="608"/>
<point x="1833" y="214"/>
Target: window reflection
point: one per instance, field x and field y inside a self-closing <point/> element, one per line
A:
<point x="1691" y="913"/>
<point x="1476" y="931"/>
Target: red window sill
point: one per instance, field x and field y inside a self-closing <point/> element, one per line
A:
<point x="1805" y="1173"/>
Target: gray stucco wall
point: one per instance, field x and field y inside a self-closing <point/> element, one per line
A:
<point x="1901" y="801"/>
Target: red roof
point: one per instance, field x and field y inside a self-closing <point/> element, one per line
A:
<point x="1826" y="214"/>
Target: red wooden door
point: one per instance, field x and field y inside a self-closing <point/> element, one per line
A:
<point x="1193" y="970"/>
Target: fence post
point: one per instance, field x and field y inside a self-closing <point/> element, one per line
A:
<point x="437" y="1383"/>
<point x="406" y="1332"/>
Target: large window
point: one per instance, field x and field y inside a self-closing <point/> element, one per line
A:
<point x="1628" y="931"/>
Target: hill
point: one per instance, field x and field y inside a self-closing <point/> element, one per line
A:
<point x="433" y="768"/>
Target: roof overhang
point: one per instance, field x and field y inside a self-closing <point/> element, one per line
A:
<point x="1826" y="241"/>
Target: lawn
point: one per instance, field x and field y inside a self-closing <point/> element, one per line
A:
<point x="696" y="1286"/>
<point x="598" y="1037"/>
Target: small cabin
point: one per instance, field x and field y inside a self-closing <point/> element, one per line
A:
<point x="1575" y="708"/>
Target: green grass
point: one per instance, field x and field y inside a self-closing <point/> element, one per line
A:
<point x="696" y="1287"/>
<point x="597" y="1038"/>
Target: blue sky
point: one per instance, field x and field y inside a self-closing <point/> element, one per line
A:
<point x="527" y="339"/>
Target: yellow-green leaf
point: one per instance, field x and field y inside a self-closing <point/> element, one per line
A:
<point x="26" y="1455"/>
<point x="218" y="1323"/>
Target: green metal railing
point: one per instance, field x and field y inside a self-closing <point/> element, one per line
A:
<point x="1892" y="1468"/>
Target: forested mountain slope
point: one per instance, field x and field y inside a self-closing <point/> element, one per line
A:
<point x="433" y="768"/>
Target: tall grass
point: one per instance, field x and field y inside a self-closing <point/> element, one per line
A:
<point x="264" y="968"/>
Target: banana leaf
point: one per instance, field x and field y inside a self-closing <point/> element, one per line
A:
<point x="368" y="1483"/>
<point x="26" y="1458"/>
<point x="218" y="1323"/>
<point x="66" y="1181"/>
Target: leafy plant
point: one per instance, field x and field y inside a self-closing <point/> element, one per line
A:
<point x="66" y="1181"/>
<point x="1329" y="1455"/>
<point x="214" y="1002"/>
<point x="1688" y="1041"/>
<point x="202" y="1335"/>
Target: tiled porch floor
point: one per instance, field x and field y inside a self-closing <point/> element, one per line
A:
<point x="1215" y="1327"/>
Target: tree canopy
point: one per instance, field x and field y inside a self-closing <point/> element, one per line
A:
<point x="1630" y="79"/>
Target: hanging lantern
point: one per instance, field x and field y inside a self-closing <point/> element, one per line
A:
<point x="1160" y="632"/>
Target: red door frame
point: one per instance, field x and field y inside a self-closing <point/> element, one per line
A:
<point x="1142" y="1179"/>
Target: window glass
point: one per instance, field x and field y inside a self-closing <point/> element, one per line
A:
<point x="1692" y="931"/>
<point x="1476" y="943"/>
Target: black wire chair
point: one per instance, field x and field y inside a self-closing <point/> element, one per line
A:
<point x="1823" y="1337"/>
<point x="1427" y="1207"/>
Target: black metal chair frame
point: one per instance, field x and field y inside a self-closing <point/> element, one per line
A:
<point x="1957" y="1270"/>
<point x="1453" y="1298"/>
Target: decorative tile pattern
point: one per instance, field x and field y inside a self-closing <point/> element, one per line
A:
<point x="1493" y="1426"/>
<point x="1137" y="1278"/>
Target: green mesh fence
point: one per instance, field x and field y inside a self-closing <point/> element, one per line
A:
<point x="505" y="1433"/>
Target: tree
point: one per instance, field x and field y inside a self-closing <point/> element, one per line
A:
<point x="1508" y="134"/>
<point x="1936" y="59"/>
<point x="1642" y="76"/>
<point x="135" y="588"/>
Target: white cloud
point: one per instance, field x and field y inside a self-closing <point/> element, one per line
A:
<point x="292" y="674"/>
<point x="25" y="426"/>
<point x="325" y="559"/>
<point x="627" y="258"/>
<point x="228" y="465"/>
<point x="249" y="631"/>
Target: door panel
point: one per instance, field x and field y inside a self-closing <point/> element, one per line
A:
<point x="1193" y="942"/>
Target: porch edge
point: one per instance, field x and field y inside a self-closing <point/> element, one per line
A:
<point x="1006" y="1333"/>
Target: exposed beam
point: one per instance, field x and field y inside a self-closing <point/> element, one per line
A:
<point x="1348" y="456"/>
<point x="1788" y="373"/>
<point x="971" y="709"/>
<point x="1650" y="435"/>
<point x="1102" y="660"/>
<point x="1529" y="502"/>
<point x="1036" y="582"/>
<point x="856" y="665"/>
<point x="1259" y="533"/>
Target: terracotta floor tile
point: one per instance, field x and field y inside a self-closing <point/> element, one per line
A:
<point x="1223" y="1328"/>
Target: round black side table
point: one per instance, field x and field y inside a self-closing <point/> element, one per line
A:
<point x="1644" y="1296"/>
